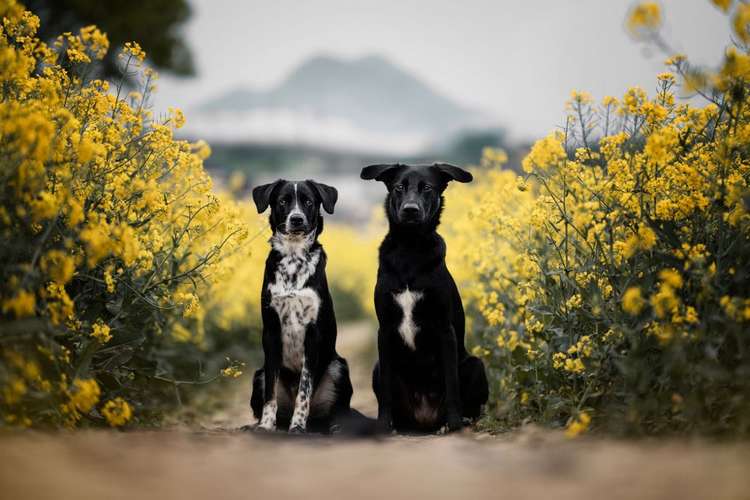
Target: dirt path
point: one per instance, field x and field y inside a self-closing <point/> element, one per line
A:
<point x="219" y="463"/>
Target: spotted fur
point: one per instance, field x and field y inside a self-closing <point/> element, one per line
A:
<point x="299" y="325"/>
<point x="268" y="420"/>
<point x="295" y="304"/>
<point x="302" y="402"/>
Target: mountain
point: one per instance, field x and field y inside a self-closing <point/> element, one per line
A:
<point x="367" y="103"/>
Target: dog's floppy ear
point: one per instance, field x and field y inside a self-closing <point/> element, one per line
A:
<point x="379" y="172"/>
<point x="262" y="195"/>
<point x="328" y="195"/>
<point x="453" y="173"/>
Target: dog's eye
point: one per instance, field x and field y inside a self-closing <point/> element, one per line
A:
<point x="282" y="202"/>
<point x="308" y="203"/>
<point x="398" y="188"/>
<point x="427" y="187"/>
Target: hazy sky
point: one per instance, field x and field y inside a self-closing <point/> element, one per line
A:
<point x="517" y="59"/>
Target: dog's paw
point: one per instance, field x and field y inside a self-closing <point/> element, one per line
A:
<point x="297" y="429"/>
<point x="468" y="422"/>
<point x="453" y="424"/>
<point x="264" y="428"/>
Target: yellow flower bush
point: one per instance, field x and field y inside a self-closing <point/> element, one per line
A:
<point x="613" y="276"/>
<point x="117" y="412"/>
<point x="116" y="254"/>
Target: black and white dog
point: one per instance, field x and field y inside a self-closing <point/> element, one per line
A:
<point x="424" y="379"/>
<point x="304" y="384"/>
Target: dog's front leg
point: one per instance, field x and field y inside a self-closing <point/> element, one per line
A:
<point x="385" y="399"/>
<point x="305" y="390"/>
<point x="272" y="355"/>
<point x="302" y="402"/>
<point x="270" y="406"/>
<point x="450" y="369"/>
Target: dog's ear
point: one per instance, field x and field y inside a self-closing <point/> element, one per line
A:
<point x="262" y="195"/>
<point x="382" y="172"/>
<point x="328" y="195"/>
<point x="452" y="172"/>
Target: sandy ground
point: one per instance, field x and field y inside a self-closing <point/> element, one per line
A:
<point x="217" y="461"/>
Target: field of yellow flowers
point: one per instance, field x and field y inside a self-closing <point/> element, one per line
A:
<point x="606" y="287"/>
<point x="116" y="252"/>
<point x="609" y="285"/>
<point x="125" y="277"/>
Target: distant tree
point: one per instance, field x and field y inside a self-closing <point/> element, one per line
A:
<point x="154" y="24"/>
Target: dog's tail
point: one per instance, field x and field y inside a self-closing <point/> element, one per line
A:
<point x="353" y="424"/>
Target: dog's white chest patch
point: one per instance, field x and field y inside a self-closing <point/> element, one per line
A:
<point x="296" y="305"/>
<point x="408" y="329"/>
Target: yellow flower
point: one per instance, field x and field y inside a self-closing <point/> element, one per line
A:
<point x="580" y="98"/>
<point x="578" y="425"/>
<point x="59" y="304"/>
<point x="45" y="206"/>
<point x="75" y="213"/>
<point x="21" y="305"/>
<point x="512" y="342"/>
<point x="134" y="50"/>
<point x="643" y="239"/>
<point x="644" y="16"/>
<point x="231" y="372"/>
<point x="671" y="277"/>
<point x="500" y="341"/>
<point x="666" y="77"/>
<point x="646" y="237"/>
<point x="58" y="265"/>
<point x="544" y="154"/>
<point x="14" y="391"/>
<point x="100" y="332"/>
<point x="177" y="117"/>
<point x="664" y="301"/>
<point x="494" y="157"/>
<point x="480" y="351"/>
<point x="632" y="301"/>
<point x="117" y="412"/>
<point x="558" y="360"/>
<point x="741" y="21"/>
<point x="574" y="365"/>
<point x="608" y="101"/>
<point x="98" y="243"/>
<point x="85" y="394"/>
<point x="723" y="4"/>
<point x="109" y="280"/>
<point x="574" y="302"/>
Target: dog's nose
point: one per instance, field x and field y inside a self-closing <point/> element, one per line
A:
<point x="296" y="220"/>
<point x="410" y="209"/>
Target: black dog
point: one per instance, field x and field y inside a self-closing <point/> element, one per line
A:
<point x="424" y="379"/>
<point x="304" y="383"/>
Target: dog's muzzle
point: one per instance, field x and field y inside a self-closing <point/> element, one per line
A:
<point x="296" y="223"/>
<point x="410" y="213"/>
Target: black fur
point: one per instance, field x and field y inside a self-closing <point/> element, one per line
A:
<point x="437" y="383"/>
<point x="319" y="341"/>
